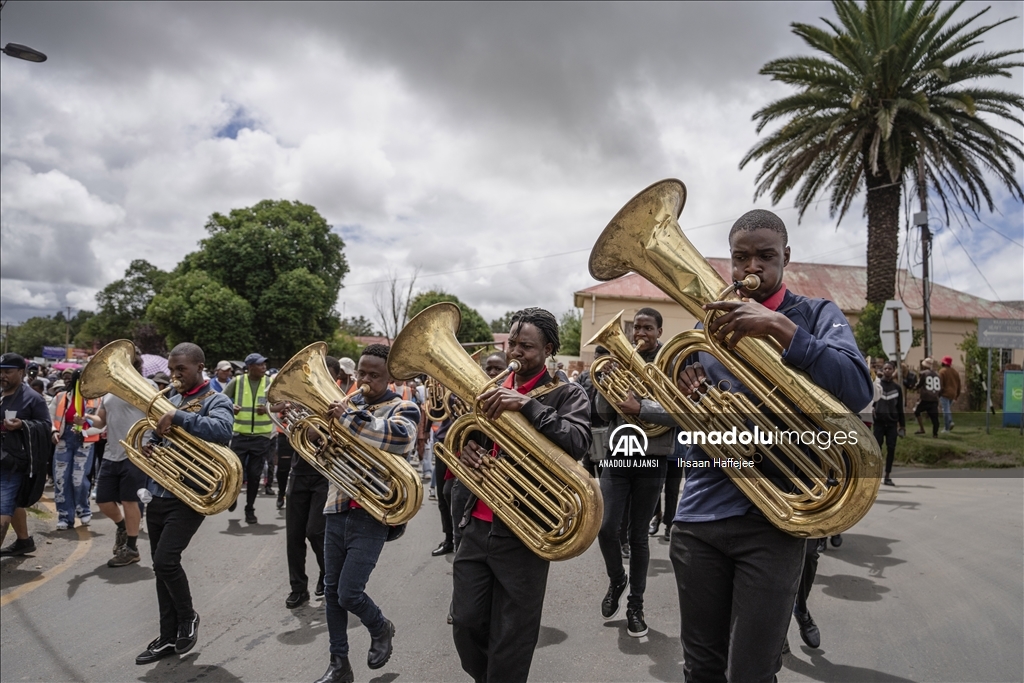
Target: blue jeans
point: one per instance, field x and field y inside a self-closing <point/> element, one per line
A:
<point x="352" y="543"/>
<point x="72" y="463"/>
<point x="947" y="411"/>
<point x="10" y="482"/>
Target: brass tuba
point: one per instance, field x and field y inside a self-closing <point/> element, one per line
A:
<point x="828" y="493"/>
<point x="205" y="476"/>
<point x="616" y="384"/>
<point x="544" y="496"/>
<point x="384" y="484"/>
<point x="441" y="404"/>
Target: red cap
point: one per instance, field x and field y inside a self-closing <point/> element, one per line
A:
<point x="948" y="360"/>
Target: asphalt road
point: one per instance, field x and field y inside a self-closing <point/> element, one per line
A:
<point x="928" y="587"/>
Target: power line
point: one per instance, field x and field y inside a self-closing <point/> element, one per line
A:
<point x="538" y="258"/>
<point x="968" y="254"/>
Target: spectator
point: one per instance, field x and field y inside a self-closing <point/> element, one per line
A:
<point x="73" y="458"/>
<point x="253" y="430"/>
<point x="222" y="376"/>
<point x="929" y="386"/>
<point x="24" y="415"/>
<point x="950" y="391"/>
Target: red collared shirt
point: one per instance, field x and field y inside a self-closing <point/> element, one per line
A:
<point x="481" y="510"/>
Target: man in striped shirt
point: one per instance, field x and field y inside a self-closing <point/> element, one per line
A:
<point x="353" y="539"/>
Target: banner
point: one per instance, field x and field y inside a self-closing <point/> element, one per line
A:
<point x="1013" y="394"/>
<point x="53" y="352"/>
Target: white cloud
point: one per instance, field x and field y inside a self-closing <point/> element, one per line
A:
<point x="430" y="138"/>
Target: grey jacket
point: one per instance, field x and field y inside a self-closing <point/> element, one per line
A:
<point x="650" y="411"/>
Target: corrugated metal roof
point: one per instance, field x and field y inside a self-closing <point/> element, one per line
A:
<point x="845" y="285"/>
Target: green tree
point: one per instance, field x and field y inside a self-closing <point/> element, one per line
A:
<point x="343" y="345"/>
<point x="197" y="308"/>
<point x="502" y="324"/>
<point x="474" y="328"/>
<point x="29" y="338"/>
<point x="891" y="97"/>
<point x="121" y="305"/>
<point x="975" y="360"/>
<point x="357" y="327"/>
<point x="284" y="260"/>
<point x="569" y="329"/>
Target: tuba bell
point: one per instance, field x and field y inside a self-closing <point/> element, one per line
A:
<point x="826" y="494"/>
<point x="384" y="484"/>
<point x="544" y="496"/>
<point x="205" y="476"/>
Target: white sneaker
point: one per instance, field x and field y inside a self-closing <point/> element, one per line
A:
<point x="62" y="526"/>
<point x="86" y="520"/>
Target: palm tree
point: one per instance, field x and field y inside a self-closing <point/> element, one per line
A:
<point x="890" y="98"/>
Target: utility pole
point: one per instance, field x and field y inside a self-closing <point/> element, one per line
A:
<point x="67" y="335"/>
<point x="921" y="220"/>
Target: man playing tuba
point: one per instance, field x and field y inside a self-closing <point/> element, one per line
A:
<point x="499" y="583"/>
<point x="207" y="415"/>
<point x="736" y="573"/>
<point x="353" y="538"/>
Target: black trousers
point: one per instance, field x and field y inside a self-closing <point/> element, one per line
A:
<point x="498" y="597"/>
<point x="459" y="496"/>
<point x="285" y="453"/>
<point x="172" y="524"/>
<point x="886" y="432"/>
<point x="807" y="575"/>
<point x="673" y="478"/>
<point x="252" y="451"/>
<point x="444" y="499"/>
<point x="932" y="408"/>
<point x="630" y="491"/>
<point x="737" y="580"/>
<point x="304" y="520"/>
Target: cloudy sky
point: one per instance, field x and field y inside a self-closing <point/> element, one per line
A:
<point x="485" y="145"/>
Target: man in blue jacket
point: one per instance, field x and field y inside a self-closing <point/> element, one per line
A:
<point x="737" y="575"/>
<point x="207" y="415"/>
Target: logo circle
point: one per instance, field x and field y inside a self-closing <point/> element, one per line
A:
<point x="612" y="441"/>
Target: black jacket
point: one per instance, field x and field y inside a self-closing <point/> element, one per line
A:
<point x="562" y="415"/>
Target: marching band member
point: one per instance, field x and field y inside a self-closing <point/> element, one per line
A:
<point x="498" y="582"/>
<point x="631" y="493"/>
<point x="354" y="539"/>
<point x="737" y="575"/>
<point x="207" y="415"/>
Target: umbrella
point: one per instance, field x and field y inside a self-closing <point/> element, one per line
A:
<point x="153" y="364"/>
<point x="68" y="366"/>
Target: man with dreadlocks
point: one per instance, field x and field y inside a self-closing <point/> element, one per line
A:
<point x="499" y="583"/>
<point x="353" y="539"/>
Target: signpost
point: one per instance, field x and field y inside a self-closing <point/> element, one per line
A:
<point x="897" y="333"/>
<point x="1000" y="333"/>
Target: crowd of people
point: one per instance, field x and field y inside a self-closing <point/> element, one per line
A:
<point x="739" y="577"/>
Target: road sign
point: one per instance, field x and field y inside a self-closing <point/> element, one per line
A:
<point x="996" y="333"/>
<point x="896" y="330"/>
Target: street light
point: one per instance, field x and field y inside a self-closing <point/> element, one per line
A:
<point x="23" y="52"/>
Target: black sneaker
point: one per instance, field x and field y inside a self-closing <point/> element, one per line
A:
<point x="188" y="634"/>
<point x="158" y="649"/>
<point x="296" y="598"/>
<point x="21" y="546"/>
<point x="888" y="482"/>
<point x="808" y="629"/>
<point x="610" y="605"/>
<point x="339" y="671"/>
<point x="280" y="502"/>
<point x="836" y="540"/>
<point x="233" y="506"/>
<point x="319" y="590"/>
<point x="636" y="627"/>
<point x="250" y="518"/>
<point x="120" y="539"/>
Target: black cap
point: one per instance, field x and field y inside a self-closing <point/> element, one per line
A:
<point x="12" y="360"/>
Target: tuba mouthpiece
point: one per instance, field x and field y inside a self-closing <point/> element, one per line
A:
<point x="749" y="283"/>
<point x="513" y="366"/>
